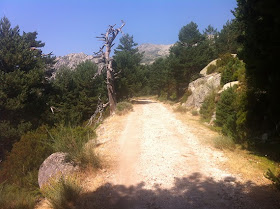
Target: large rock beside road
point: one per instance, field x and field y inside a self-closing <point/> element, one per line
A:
<point x="55" y="166"/>
<point x="201" y="88"/>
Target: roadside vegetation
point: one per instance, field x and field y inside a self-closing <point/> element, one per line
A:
<point x="123" y="108"/>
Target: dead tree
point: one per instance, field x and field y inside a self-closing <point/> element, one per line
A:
<point x="104" y="55"/>
<point x="98" y="113"/>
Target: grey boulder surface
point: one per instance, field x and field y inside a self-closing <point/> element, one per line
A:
<point x="55" y="166"/>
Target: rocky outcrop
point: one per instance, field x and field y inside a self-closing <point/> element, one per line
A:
<point x="72" y="60"/>
<point x="153" y="51"/>
<point x="55" y="166"/>
<point x="201" y="88"/>
<point x="203" y="72"/>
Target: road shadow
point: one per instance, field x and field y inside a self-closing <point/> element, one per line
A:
<point x="191" y="192"/>
<point x="141" y="101"/>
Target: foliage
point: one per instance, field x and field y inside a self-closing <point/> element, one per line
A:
<point x="15" y="197"/>
<point x="274" y="178"/>
<point x="89" y="158"/>
<point x="23" y="84"/>
<point x="132" y="76"/>
<point x="186" y="96"/>
<point x="194" y="112"/>
<point x="231" y="113"/>
<point x="208" y="107"/>
<point x="64" y="193"/>
<point x="20" y="168"/>
<point x="160" y="80"/>
<point x="211" y="69"/>
<point x="72" y="141"/>
<point x="210" y="32"/>
<point x="189" y="34"/>
<point x="223" y="142"/>
<point x="226" y="112"/>
<point x="75" y="94"/>
<point x="123" y="108"/>
<point x="228" y="41"/>
<point x="186" y="63"/>
<point x="181" y="109"/>
<point x="25" y="158"/>
<point x="232" y="69"/>
<point x="261" y="28"/>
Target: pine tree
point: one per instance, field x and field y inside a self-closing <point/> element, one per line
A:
<point x="127" y="62"/>
<point x="23" y="85"/>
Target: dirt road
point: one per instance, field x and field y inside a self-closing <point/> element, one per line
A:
<point x="156" y="161"/>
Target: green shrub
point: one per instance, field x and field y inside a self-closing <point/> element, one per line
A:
<point x="273" y="177"/>
<point x="88" y="157"/>
<point x="194" y="112"/>
<point x="123" y="108"/>
<point x="223" y="142"/>
<point x="224" y="60"/>
<point x="226" y="112"/>
<point x="231" y="113"/>
<point x="163" y="96"/>
<point x="22" y="163"/>
<point x="186" y="96"/>
<point x="208" y="107"/>
<point x="72" y="141"/>
<point x="15" y="197"/>
<point x="181" y="109"/>
<point x="173" y="96"/>
<point x="231" y="69"/>
<point x="227" y="76"/>
<point x="211" y="69"/>
<point x="64" y="193"/>
<point x="241" y="106"/>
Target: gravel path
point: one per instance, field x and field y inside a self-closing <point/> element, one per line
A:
<point x="161" y="164"/>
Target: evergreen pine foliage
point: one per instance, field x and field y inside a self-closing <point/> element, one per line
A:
<point x="23" y="86"/>
<point x="260" y="21"/>
<point x="132" y="79"/>
<point x="189" y="34"/>
<point x="226" y="112"/>
<point x="208" y="107"/>
<point x="75" y="94"/>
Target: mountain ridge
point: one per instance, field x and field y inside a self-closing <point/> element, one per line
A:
<point x="151" y="53"/>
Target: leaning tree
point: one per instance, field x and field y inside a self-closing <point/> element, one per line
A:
<point x="104" y="55"/>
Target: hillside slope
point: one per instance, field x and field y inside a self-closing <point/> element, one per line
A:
<point x="151" y="53"/>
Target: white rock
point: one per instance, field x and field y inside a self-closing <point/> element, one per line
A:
<point x="228" y="85"/>
<point x="201" y="88"/>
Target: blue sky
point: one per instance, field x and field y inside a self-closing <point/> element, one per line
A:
<point x="70" y="26"/>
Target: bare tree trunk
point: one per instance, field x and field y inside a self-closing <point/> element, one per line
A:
<point x="111" y="88"/>
<point x="108" y="39"/>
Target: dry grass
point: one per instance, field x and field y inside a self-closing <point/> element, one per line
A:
<point x="181" y="109"/>
<point x="123" y="108"/>
<point x="223" y="142"/>
<point x="63" y="193"/>
<point x="240" y="161"/>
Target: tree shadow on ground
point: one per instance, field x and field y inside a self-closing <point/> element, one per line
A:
<point x="194" y="191"/>
<point x="141" y="101"/>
